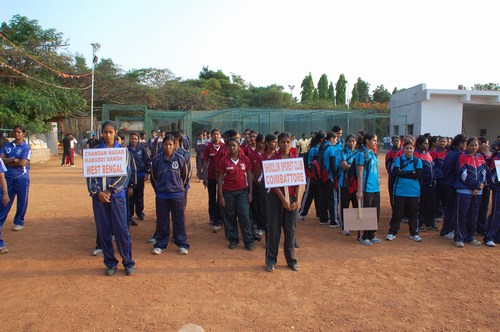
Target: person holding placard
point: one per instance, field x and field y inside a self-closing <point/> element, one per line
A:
<point x="109" y="202"/>
<point x="347" y="192"/>
<point x="469" y="184"/>
<point x="493" y="226"/>
<point x="234" y="185"/>
<point x="169" y="172"/>
<point x="282" y="214"/>
<point x="368" y="184"/>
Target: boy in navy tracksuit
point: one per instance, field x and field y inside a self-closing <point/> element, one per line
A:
<point x="170" y="174"/>
<point x="109" y="202"/>
<point x="469" y="184"/>
<point x="493" y="227"/>
<point x="139" y="153"/>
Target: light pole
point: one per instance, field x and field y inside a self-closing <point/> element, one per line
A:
<point x="291" y="87"/>
<point x="95" y="48"/>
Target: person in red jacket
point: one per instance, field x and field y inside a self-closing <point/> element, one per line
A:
<point x="234" y="180"/>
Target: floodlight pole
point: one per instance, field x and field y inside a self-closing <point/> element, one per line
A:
<point x="95" y="48"/>
<point x="291" y="87"/>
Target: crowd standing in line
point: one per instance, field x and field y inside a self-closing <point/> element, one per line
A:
<point x="429" y="177"/>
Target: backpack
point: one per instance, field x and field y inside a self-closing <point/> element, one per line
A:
<point x="351" y="177"/>
<point x="317" y="170"/>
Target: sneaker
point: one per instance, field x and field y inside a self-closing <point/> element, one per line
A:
<point x="232" y="245"/>
<point x="130" y="271"/>
<point x="260" y="232"/>
<point x="151" y="240"/>
<point x="141" y="216"/>
<point x="296" y="245"/>
<point x="335" y="225"/>
<point x="301" y="218"/>
<point x="134" y="223"/>
<point x="346" y="233"/>
<point x="270" y="267"/>
<point x="365" y="242"/>
<point x="487" y="243"/>
<point x="183" y="251"/>
<point x="4" y="250"/>
<point x="110" y="271"/>
<point x="324" y="223"/>
<point x="422" y="229"/>
<point x="416" y="238"/>
<point x="72" y="165"/>
<point x="449" y="236"/>
<point x="97" y="252"/>
<point x="459" y="244"/>
<point x="17" y="227"/>
<point x="375" y="240"/>
<point x="215" y="229"/>
<point x="474" y="243"/>
<point x="157" y="251"/>
<point x="433" y="228"/>
<point x="390" y="237"/>
<point x="294" y="267"/>
<point x="250" y="247"/>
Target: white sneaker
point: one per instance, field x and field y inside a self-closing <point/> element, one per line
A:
<point x="489" y="243"/>
<point x="449" y="236"/>
<point x="416" y="238"/>
<point x="474" y="243"/>
<point x="157" y="251"/>
<point x="183" y="251"/>
<point x="301" y="218"/>
<point x="459" y="244"/>
<point x="390" y="237"/>
<point x="215" y="229"/>
<point x="17" y="227"/>
<point x="346" y="233"/>
<point x="365" y="242"/>
<point x="97" y="252"/>
<point x="375" y="240"/>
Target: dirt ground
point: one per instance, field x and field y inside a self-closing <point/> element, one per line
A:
<point x="49" y="281"/>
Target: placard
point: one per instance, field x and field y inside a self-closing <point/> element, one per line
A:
<point x="284" y="172"/>
<point x="497" y="166"/>
<point x="360" y="219"/>
<point x="98" y="163"/>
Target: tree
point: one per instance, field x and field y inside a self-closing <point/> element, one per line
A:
<point x="331" y="93"/>
<point x="307" y="89"/>
<point x="363" y="90"/>
<point x="395" y="90"/>
<point x="381" y="95"/>
<point x="323" y="87"/>
<point x="341" y="88"/>
<point x="486" y="87"/>
<point x="151" y="77"/>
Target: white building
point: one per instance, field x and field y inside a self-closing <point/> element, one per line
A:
<point x="445" y="112"/>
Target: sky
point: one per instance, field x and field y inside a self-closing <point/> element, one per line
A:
<point x="401" y="44"/>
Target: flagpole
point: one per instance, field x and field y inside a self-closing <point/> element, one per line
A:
<point x="95" y="47"/>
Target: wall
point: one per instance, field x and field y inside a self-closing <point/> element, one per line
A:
<point x="442" y="115"/>
<point x="474" y="121"/>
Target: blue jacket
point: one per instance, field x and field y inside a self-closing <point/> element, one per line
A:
<point x="142" y="161"/>
<point x="450" y="167"/>
<point x="348" y="156"/>
<point x="407" y="172"/>
<point x="169" y="176"/>
<point x="117" y="186"/>
<point x="187" y="157"/>
<point x="427" y="178"/>
<point x="370" y="169"/>
<point x="471" y="172"/>
<point x="329" y="157"/>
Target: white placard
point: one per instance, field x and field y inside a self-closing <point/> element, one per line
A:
<point x="98" y="163"/>
<point x="284" y="172"/>
<point x="497" y="166"/>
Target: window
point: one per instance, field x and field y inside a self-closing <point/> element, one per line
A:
<point x="410" y="129"/>
<point x="396" y="130"/>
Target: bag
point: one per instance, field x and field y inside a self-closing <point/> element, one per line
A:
<point x="351" y="177"/>
<point x="317" y="170"/>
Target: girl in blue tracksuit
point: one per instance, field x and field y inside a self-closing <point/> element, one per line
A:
<point x="493" y="227"/>
<point x="170" y="174"/>
<point x="109" y="202"/>
<point x="16" y="156"/>
<point x="143" y="165"/>
<point x="449" y="169"/>
<point x="469" y="184"/>
<point x="407" y="170"/>
<point x="368" y="184"/>
<point x="347" y="192"/>
<point x="312" y="187"/>
<point x="329" y="209"/>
